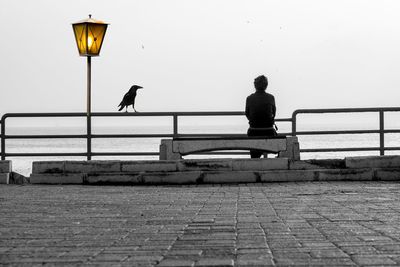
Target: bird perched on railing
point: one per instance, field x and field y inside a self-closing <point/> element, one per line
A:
<point x="129" y="98"/>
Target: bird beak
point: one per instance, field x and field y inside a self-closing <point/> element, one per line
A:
<point x="139" y="87"/>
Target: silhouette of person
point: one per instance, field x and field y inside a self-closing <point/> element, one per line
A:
<point x="260" y="111"/>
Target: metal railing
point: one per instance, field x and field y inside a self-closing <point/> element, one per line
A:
<point x="381" y="131"/>
<point x="175" y="131"/>
<point x="89" y="153"/>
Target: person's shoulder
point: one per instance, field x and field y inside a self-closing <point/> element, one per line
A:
<point x="251" y="95"/>
<point x="270" y="96"/>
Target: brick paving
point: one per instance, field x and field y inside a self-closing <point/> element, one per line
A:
<point x="271" y="224"/>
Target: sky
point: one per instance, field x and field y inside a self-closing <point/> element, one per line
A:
<point x="201" y="55"/>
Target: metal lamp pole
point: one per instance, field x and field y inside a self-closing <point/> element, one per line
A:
<point x="89" y="35"/>
<point x="89" y="109"/>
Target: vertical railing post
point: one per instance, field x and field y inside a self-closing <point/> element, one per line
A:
<point x="175" y="122"/>
<point x="381" y="133"/>
<point x="3" y="139"/>
<point x="294" y="114"/>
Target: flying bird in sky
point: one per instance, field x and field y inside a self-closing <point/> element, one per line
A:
<point x="129" y="98"/>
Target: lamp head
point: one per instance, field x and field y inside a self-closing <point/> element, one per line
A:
<point x="89" y="35"/>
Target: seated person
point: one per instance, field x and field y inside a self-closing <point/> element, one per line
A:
<point x="260" y="111"/>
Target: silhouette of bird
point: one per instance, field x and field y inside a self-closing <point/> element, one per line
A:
<point x="129" y="98"/>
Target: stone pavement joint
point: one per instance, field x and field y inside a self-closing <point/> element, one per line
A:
<point x="255" y="224"/>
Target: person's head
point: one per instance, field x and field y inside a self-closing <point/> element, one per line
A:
<point x="261" y="83"/>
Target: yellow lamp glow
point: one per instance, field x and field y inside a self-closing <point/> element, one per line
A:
<point x="89" y="35"/>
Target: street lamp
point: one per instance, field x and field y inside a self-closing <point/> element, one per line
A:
<point x="89" y="35"/>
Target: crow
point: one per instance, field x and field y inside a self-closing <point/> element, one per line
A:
<point x="129" y="98"/>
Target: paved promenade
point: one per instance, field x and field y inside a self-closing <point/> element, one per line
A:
<point x="271" y="224"/>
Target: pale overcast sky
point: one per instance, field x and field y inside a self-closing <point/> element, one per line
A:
<point x="201" y="55"/>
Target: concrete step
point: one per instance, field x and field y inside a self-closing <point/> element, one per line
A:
<point x="5" y="166"/>
<point x="214" y="171"/>
<point x="105" y="166"/>
<point x="373" y="162"/>
<point x="219" y="177"/>
<point x="5" y="171"/>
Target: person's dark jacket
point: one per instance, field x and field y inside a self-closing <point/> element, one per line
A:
<point x="260" y="109"/>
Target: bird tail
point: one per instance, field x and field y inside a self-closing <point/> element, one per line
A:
<point x="121" y="108"/>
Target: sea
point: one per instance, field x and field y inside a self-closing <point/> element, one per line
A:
<point x="23" y="165"/>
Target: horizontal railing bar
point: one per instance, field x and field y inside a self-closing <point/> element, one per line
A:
<point x="345" y="110"/>
<point x="131" y="135"/>
<point x="131" y="114"/>
<point x="392" y="148"/>
<point x="392" y="131"/>
<point x="82" y="154"/>
<point x="48" y="136"/>
<point x="43" y="115"/>
<point x="125" y="153"/>
<point x="345" y="132"/>
<point x="82" y="136"/>
<point x="162" y="114"/>
<point x="337" y="132"/>
<point x="344" y="149"/>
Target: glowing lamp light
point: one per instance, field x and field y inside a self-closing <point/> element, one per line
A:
<point x="89" y="35"/>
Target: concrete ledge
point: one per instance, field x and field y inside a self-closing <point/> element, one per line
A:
<point x="93" y="166"/>
<point x="149" y="166"/>
<point x="5" y="166"/>
<point x="113" y="178"/>
<point x="288" y="176"/>
<point x="373" y="162"/>
<point x="48" y="167"/>
<point x="57" y="178"/>
<point x="317" y="164"/>
<point x="205" y="165"/>
<point x="171" y="177"/>
<point x="229" y="177"/>
<point x="4" y="178"/>
<point x="346" y="174"/>
<point x="260" y="164"/>
<point x="243" y="170"/>
<point x="387" y="174"/>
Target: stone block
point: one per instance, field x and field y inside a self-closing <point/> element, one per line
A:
<point x="4" y="178"/>
<point x="230" y="177"/>
<point x="373" y="162"/>
<point x="16" y="178"/>
<point x="260" y="164"/>
<point x="205" y="165"/>
<point x="387" y="174"/>
<point x="92" y="166"/>
<point x="292" y="149"/>
<point x="57" y="178"/>
<point x="346" y="174"/>
<point x="317" y="164"/>
<point x="287" y="176"/>
<point x="149" y="166"/>
<point x="113" y="178"/>
<point x="166" y="152"/>
<point x="48" y="167"/>
<point x="5" y="166"/>
<point x="171" y="177"/>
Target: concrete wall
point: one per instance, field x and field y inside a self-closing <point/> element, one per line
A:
<point x="215" y="171"/>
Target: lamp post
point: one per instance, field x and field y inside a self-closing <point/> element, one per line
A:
<point x="89" y="35"/>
